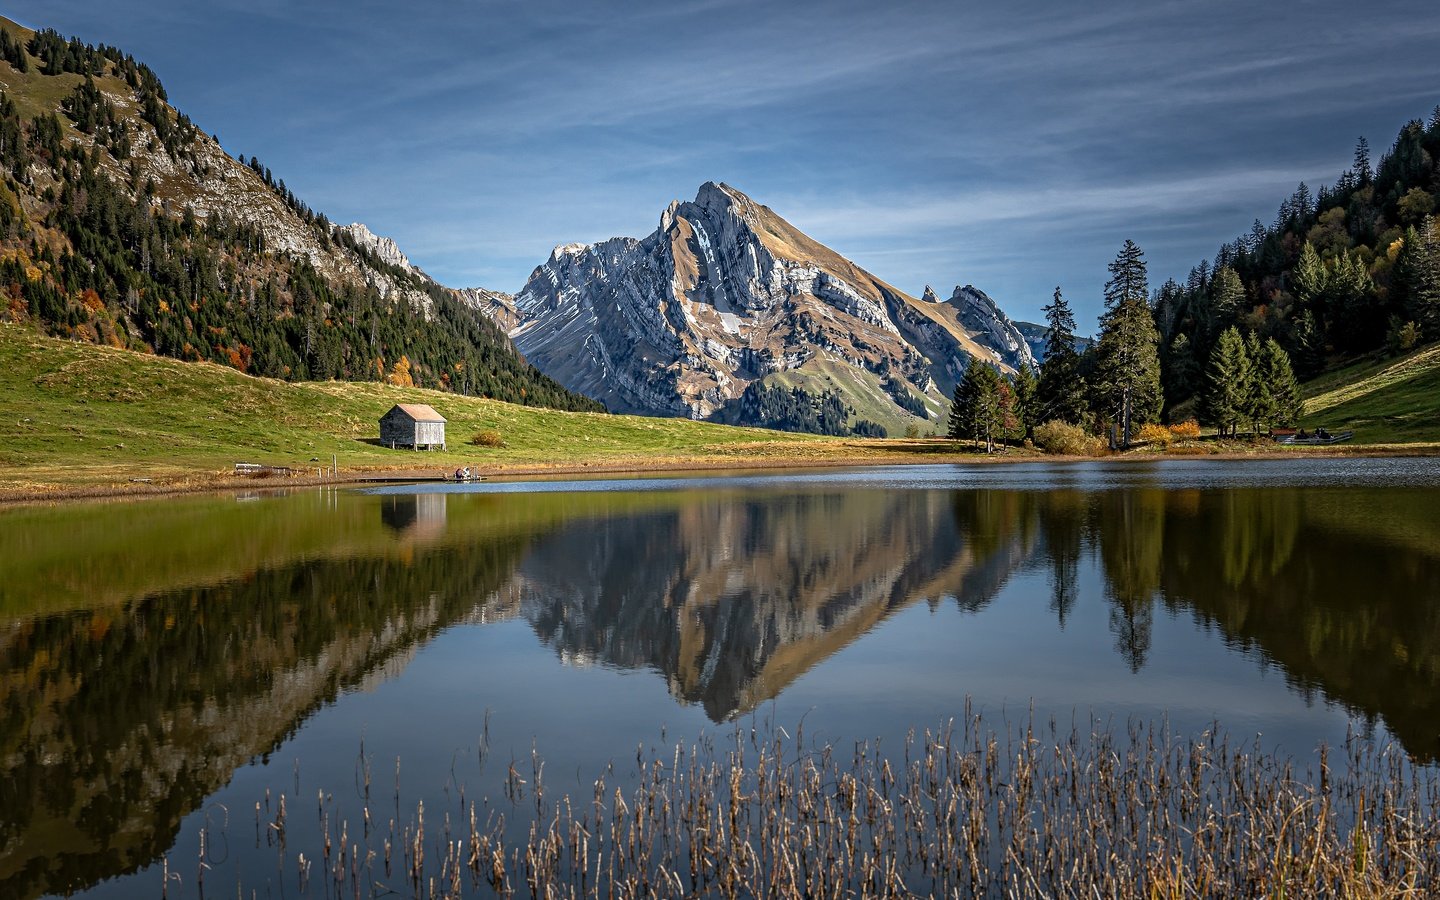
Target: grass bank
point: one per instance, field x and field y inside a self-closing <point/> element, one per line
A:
<point x="1387" y="401"/>
<point x="83" y="420"/>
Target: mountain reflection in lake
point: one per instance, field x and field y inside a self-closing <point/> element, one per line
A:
<point x="162" y="661"/>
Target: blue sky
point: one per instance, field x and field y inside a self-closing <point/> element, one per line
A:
<point x="1013" y="146"/>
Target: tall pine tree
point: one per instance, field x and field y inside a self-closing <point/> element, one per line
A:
<point x="1060" y="393"/>
<point x="1223" y="398"/>
<point x="1274" y="368"/>
<point x="1127" y="385"/>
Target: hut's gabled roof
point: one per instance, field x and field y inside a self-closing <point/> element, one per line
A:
<point x="418" y="412"/>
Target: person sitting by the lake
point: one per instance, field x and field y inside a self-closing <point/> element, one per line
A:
<point x="1322" y="434"/>
<point x="1302" y="435"/>
<point x="462" y="473"/>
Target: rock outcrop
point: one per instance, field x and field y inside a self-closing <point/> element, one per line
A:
<point x="725" y="293"/>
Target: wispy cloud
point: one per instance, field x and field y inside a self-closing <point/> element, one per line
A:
<point x="1009" y="145"/>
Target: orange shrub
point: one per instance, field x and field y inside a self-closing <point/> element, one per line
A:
<point x="1156" y="434"/>
<point x="1187" y="430"/>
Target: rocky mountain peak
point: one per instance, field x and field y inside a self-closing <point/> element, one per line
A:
<point x="930" y="296"/>
<point x="980" y="314"/>
<point x="724" y="294"/>
<point x="718" y="196"/>
<point x="562" y="251"/>
<point x="385" y="249"/>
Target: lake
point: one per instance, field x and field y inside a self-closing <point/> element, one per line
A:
<point x="170" y="668"/>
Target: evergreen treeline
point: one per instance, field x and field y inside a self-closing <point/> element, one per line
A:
<point x="88" y="258"/>
<point x="796" y="409"/>
<point x="1115" y="386"/>
<point x="1341" y="271"/>
<point x="990" y="409"/>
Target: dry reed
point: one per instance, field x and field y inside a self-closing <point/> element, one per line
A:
<point x="961" y="811"/>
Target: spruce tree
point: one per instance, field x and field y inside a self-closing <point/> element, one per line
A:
<point x="1128" y="364"/>
<point x="1222" y="401"/>
<point x="1060" y="393"/>
<point x="963" y="406"/>
<point x="1227" y="298"/>
<point x="1308" y="280"/>
<point x="1418" y="272"/>
<point x="1025" y="389"/>
<point x="1180" y="369"/>
<point x="977" y="413"/>
<point x="1309" y="346"/>
<point x="1259" y="402"/>
<point x="1275" y="369"/>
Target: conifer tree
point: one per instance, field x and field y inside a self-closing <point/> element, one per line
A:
<point x="1258" y="402"/>
<point x="1309" y="277"/>
<point x="1418" y="270"/>
<point x="977" y="413"/>
<point x="1060" y="393"/>
<point x="1309" y="346"/>
<point x="1227" y="298"/>
<point x="1222" y="402"/>
<point x="1274" y="368"/>
<point x="1180" y="369"/>
<point x="1128" y="363"/>
<point x="1024" y="389"/>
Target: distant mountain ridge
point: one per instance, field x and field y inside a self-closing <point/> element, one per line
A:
<point x="725" y="294"/>
<point x="1038" y="337"/>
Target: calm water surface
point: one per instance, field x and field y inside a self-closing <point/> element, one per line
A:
<point x="169" y="665"/>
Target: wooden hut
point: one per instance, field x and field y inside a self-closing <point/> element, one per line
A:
<point x="412" y="425"/>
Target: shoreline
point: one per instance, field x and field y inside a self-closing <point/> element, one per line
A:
<point x="128" y="486"/>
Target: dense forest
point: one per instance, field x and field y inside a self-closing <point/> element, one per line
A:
<point x="796" y="409"/>
<point x="1343" y="272"/>
<point x="90" y="256"/>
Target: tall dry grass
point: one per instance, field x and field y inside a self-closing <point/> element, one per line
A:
<point x="960" y="811"/>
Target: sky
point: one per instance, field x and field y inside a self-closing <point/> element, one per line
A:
<point x="1013" y="146"/>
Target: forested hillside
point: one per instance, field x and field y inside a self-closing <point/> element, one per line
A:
<point x="122" y="223"/>
<point x="1344" y="274"/>
<point x="1342" y="271"/>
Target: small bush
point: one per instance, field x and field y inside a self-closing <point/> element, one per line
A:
<point x="1156" y="434"/>
<point x="1071" y="440"/>
<point x="1186" y="431"/>
<point x="487" y="438"/>
<point x="1402" y="338"/>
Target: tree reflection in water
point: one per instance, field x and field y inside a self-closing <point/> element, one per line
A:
<point x="118" y="718"/>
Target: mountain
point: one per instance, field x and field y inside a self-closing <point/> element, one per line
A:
<point x="725" y="301"/>
<point x="1038" y="338"/>
<point x="123" y="223"/>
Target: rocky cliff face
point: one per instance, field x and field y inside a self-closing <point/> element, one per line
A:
<point x="982" y="316"/>
<point x="207" y="181"/>
<point x="384" y="248"/>
<point x="498" y="306"/>
<point x="725" y="293"/>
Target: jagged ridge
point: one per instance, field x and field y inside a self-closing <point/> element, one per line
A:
<point x="725" y="293"/>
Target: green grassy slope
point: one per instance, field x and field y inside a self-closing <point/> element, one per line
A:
<point x="77" y="406"/>
<point x="861" y="390"/>
<point x="1390" y="401"/>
